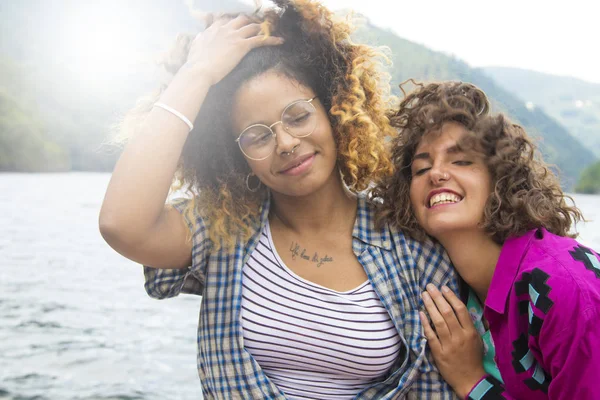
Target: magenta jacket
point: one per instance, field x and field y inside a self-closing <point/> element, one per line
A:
<point x="543" y="310"/>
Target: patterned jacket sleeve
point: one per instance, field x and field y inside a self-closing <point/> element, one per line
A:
<point x="489" y="388"/>
<point x="432" y="266"/>
<point x="569" y="337"/>
<point x="161" y="283"/>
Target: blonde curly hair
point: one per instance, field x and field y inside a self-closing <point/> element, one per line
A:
<point x="318" y="52"/>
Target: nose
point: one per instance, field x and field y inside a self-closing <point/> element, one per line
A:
<point x="438" y="175"/>
<point x="284" y="141"/>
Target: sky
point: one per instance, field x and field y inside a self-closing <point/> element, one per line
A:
<point x="548" y="36"/>
<point x="559" y="38"/>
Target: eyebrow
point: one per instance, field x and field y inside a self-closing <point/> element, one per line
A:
<point x="450" y="150"/>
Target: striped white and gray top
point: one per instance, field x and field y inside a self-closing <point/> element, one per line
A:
<point x="311" y="341"/>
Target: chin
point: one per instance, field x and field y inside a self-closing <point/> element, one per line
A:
<point x="450" y="229"/>
<point x="442" y="228"/>
<point x="297" y="191"/>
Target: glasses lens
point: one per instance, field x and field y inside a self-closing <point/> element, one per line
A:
<point x="257" y="141"/>
<point x="300" y="119"/>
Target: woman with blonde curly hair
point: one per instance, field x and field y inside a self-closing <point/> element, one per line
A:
<point x="273" y="125"/>
<point x="476" y="184"/>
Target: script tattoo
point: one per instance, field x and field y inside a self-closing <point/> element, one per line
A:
<point x="300" y="252"/>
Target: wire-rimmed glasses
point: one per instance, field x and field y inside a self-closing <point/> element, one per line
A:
<point x="258" y="141"/>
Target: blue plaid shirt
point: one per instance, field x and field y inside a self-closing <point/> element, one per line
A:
<point x="397" y="266"/>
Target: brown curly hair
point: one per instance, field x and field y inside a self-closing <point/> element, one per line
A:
<point x="526" y="193"/>
<point x="318" y="52"/>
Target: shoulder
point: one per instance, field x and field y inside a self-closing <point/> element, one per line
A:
<point x="425" y="248"/>
<point x="196" y="223"/>
<point x="189" y="210"/>
<point x="429" y="258"/>
<point x="561" y="276"/>
<point x="562" y="257"/>
<point x="367" y="207"/>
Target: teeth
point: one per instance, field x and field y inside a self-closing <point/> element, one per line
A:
<point x="443" y="198"/>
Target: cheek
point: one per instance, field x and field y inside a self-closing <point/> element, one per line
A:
<point x="326" y="135"/>
<point x="259" y="168"/>
<point x="485" y="185"/>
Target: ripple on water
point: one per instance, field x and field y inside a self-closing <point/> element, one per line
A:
<point x="39" y="324"/>
<point x="6" y="395"/>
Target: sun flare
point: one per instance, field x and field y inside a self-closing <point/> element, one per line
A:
<point x="99" y="43"/>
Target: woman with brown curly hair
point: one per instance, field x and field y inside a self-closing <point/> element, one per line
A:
<point x="475" y="183"/>
<point x="273" y="126"/>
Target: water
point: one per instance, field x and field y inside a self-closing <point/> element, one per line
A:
<point x="75" y="322"/>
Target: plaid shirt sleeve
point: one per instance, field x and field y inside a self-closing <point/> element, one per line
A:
<point x="161" y="283"/>
<point x="433" y="266"/>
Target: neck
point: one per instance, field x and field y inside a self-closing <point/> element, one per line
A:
<point x="474" y="255"/>
<point x="330" y="207"/>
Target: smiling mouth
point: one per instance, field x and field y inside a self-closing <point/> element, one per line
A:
<point x="297" y="163"/>
<point x="444" y="198"/>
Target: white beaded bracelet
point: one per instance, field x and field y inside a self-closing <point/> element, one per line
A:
<point x="175" y="113"/>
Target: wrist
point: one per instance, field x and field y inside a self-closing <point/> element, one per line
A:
<point x="185" y="93"/>
<point x="468" y="385"/>
<point x="189" y="83"/>
<point x="198" y="72"/>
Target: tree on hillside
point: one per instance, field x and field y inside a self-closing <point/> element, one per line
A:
<point x="23" y="145"/>
<point x="589" y="182"/>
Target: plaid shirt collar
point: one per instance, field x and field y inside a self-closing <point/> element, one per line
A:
<point x="365" y="228"/>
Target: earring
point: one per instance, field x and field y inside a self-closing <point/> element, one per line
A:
<point x="256" y="187"/>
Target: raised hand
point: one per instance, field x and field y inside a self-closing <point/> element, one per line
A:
<point x="456" y="346"/>
<point x="218" y="49"/>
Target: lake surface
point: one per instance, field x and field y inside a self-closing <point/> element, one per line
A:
<point x="75" y="321"/>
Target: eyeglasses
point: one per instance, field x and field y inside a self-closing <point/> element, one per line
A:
<point x="258" y="141"/>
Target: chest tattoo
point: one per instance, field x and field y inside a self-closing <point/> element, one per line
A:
<point x="300" y="253"/>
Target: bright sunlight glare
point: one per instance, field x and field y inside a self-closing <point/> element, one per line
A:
<point x="98" y="42"/>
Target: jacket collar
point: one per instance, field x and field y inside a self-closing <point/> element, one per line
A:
<point x="507" y="267"/>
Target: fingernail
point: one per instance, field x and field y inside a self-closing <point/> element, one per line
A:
<point x="430" y="287"/>
<point x="425" y="296"/>
<point x="445" y="289"/>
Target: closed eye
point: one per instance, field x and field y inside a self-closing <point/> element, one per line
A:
<point x="298" y="121"/>
<point x="421" y="171"/>
<point x="262" y="138"/>
<point x="462" y="162"/>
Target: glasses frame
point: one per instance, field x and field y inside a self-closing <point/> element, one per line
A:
<point x="270" y="127"/>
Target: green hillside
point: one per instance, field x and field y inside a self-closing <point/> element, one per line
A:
<point x="24" y="144"/>
<point x="64" y="127"/>
<point x="590" y="180"/>
<point x="411" y="60"/>
<point x="572" y="102"/>
<point x="71" y="112"/>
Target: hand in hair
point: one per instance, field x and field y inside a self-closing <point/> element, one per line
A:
<point x="456" y="346"/>
<point x="219" y="48"/>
